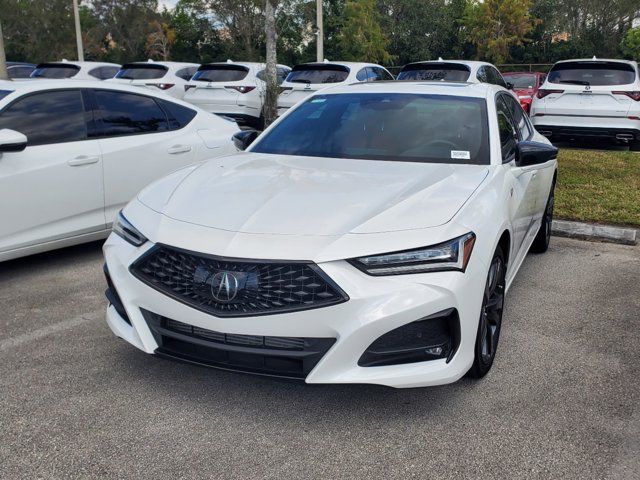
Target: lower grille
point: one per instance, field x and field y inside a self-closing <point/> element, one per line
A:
<point x="288" y="357"/>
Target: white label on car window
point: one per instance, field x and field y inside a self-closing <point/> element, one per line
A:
<point x="461" y="154"/>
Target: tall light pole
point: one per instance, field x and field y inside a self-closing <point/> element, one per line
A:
<point x="3" y="59"/>
<point x="320" y="31"/>
<point x="76" y="15"/>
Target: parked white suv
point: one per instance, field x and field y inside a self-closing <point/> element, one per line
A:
<point x="597" y="98"/>
<point x="168" y="77"/>
<point x="76" y="70"/>
<point x="73" y="153"/>
<point x="308" y="78"/>
<point x="453" y="71"/>
<point x="232" y="89"/>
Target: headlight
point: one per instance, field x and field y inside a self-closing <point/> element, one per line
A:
<point x="123" y="228"/>
<point x="451" y="255"/>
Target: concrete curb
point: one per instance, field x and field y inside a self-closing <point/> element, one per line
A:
<point x="589" y="231"/>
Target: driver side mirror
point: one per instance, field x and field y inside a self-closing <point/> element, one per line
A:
<point x="534" y="153"/>
<point x="12" y="141"/>
<point x="244" y="138"/>
<point x="509" y="86"/>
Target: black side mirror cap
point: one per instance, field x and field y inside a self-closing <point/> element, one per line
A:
<point x="534" y="153"/>
<point x="244" y="138"/>
<point x="509" y="86"/>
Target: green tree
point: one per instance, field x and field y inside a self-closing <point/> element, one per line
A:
<point x="360" y="37"/>
<point x="631" y="44"/>
<point x="494" y="26"/>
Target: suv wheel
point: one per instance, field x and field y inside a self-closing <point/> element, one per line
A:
<point x="541" y="242"/>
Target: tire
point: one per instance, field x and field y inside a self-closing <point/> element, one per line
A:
<point x="490" y="317"/>
<point x="541" y="242"/>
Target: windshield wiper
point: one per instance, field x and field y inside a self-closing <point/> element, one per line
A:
<point x="575" y="82"/>
<point x="297" y="80"/>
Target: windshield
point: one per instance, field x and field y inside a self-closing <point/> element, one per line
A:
<point x="592" y="73"/>
<point x="4" y="93"/>
<point x="55" y="71"/>
<point x="141" y="72"/>
<point x="220" y="73"/>
<point x="425" y="71"/>
<point x="384" y="126"/>
<point x="521" y="80"/>
<point x="318" y="74"/>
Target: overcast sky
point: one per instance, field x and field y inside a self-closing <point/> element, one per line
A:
<point x="167" y="3"/>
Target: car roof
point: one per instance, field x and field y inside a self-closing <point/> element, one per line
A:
<point x="462" y="89"/>
<point x="596" y="60"/>
<point x="244" y="64"/>
<point x="350" y="65"/>
<point x="165" y="64"/>
<point x="80" y="64"/>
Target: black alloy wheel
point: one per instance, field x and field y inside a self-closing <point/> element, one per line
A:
<point x="541" y="242"/>
<point x="490" y="317"/>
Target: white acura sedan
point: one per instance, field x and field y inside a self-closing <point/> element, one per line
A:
<point x="368" y="236"/>
<point x="72" y="154"/>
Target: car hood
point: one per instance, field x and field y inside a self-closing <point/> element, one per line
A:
<point x="290" y="195"/>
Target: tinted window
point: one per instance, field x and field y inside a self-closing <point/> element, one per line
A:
<point x="127" y="114"/>
<point x="592" y="73"/>
<point x="382" y="74"/>
<point x="482" y="76"/>
<point x="186" y="73"/>
<point x="361" y="76"/>
<point x="221" y="73"/>
<point x="4" y="93"/>
<point x="494" y="77"/>
<point x="142" y="71"/>
<point x="519" y="117"/>
<point x="320" y="73"/>
<point x="506" y="129"/>
<point x="102" y="73"/>
<point x="435" y="71"/>
<point x="47" y="117"/>
<point x="389" y="126"/>
<point x="19" y="72"/>
<point x="179" y="115"/>
<point x="521" y="80"/>
<point x="281" y="74"/>
<point x="58" y="70"/>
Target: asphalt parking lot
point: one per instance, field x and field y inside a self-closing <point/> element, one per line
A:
<point x="562" y="401"/>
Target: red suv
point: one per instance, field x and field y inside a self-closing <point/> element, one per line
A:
<point x="525" y="85"/>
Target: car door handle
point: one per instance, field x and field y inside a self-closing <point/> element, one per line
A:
<point x="83" y="160"/>
<point x="179" y="149"/>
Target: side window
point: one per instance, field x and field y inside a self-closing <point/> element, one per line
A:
<point x="47" y="117"/>
<point x="109" y="72"/>
<point x="362" y="75"/>
<point x="282" y="74"/>
<point x="186" y="73"/>
<point x="496" y="77"/>
<point x="383" y="74"/>
<point x="506" y="129"/>
<point x="375" y="74"/>
<point x="122" y="113"/>
<point x="482" y="75"/>
<point x="519" y="117"/>
<point x="179" y="115"/>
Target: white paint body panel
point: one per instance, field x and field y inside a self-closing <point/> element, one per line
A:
<point x="46" y="202"/>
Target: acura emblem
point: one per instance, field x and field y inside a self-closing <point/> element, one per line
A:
<point x="224" y="287"/>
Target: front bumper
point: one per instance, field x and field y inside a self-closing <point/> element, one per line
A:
<point x="376" y="306"/>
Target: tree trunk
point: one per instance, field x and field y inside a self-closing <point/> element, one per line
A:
<point x="3" y="59"/>
<point x="270" y="109"/>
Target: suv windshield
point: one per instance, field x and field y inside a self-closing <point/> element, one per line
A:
<point x="141" y="72"/>
<point x="523" y="80"/>
<point x="454" y="72"/>
<point x="220" y="73"/>
<point x="384" y="126"/>
<point x="55" y="70"/>
<point x="322" y="73"/>
<point x="592" y="73"/>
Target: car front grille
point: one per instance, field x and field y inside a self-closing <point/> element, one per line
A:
<point x="289" y="357"/>
<point x="236" y="287"/>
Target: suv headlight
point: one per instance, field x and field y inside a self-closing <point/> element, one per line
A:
<point x="124" y="229"/>
<point x="451" y="255"/>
